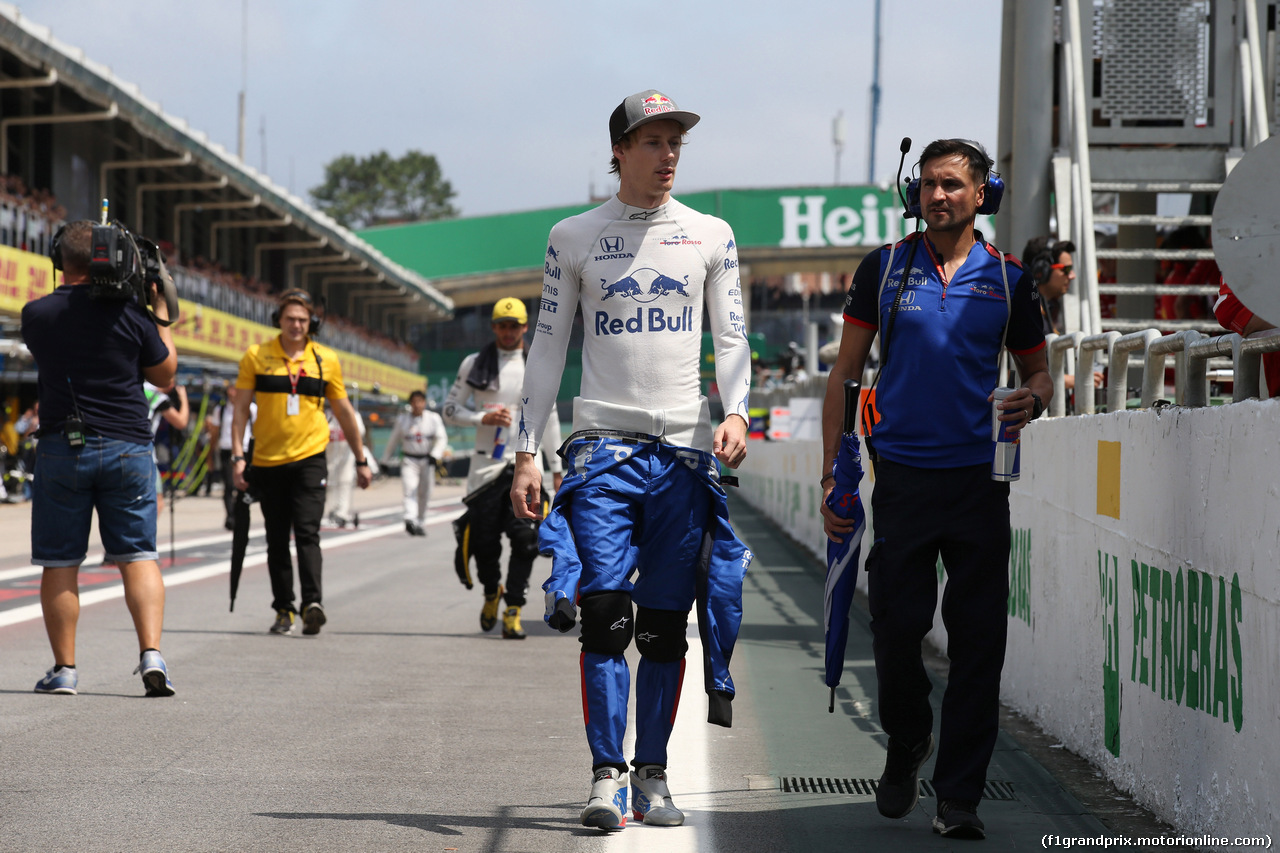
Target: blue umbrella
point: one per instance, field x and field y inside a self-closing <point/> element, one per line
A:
<point x="842" y="557"/>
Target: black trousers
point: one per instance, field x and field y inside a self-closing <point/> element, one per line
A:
<point x="292" y="499"/>
<point x="491" y="516"/>
<point x="962" y="515"/>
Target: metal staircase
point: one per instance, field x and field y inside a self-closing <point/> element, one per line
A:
<point x="1158" y="98"/>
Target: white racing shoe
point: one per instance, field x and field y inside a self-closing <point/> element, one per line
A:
<point x="606" y="808"/>
<point x="650" y="799"/>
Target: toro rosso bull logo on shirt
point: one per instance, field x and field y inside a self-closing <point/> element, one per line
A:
<point x="645" y="285"/>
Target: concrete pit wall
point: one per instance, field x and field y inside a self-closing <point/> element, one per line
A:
<point x="1144" y="612"/>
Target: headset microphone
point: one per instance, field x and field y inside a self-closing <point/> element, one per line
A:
<point x="905" y="148"/>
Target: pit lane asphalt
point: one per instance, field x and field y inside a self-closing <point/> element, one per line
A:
<point x="403" y="727"/>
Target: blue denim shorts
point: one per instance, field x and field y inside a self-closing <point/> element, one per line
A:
<point x="118" y="478"/>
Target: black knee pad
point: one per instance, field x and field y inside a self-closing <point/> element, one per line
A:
<point x="524" y="542"/>
<point x="607" y="623"/>
<point x="660" y="634"/>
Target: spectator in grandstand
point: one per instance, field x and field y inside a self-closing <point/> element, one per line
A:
<point x="95" y="453"/>
<point x="290" y="377"/>
<point x="935" y="494"/>
<point x="419" y="436"/>
<point x="1050" y="264"/>
<point x="1232" y="314"/>
<point x="486" y="395"/>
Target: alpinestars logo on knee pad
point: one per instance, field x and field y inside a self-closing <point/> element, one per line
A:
<point x="621" y="624"/>
<point x="646" y="637"/>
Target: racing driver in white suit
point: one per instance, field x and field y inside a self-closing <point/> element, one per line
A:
<point x="640" y="517"/>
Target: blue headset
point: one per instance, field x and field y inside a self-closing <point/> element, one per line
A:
<point x="994" y="183"/>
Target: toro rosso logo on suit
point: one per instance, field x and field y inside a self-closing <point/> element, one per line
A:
<point x="645" y="285"/>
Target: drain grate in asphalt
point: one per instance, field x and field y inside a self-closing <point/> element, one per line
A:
<point x="827" y="785"/>
<point x="993" y="790"/>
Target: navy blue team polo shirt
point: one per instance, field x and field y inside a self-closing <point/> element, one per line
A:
<point x="102" y="346"/>
<point x="943" y="351"/>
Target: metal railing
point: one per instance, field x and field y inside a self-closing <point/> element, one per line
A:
<point x="1191" y="351"/>
<point x="1193" y="355"/>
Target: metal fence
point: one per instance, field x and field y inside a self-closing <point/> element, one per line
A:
<point x="1193" y="354"/>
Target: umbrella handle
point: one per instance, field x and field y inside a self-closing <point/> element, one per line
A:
<point x="831" y="704"/>
<point x="851" y="392"/>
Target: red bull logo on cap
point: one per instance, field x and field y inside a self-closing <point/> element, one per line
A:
<point x="656" y="103"/>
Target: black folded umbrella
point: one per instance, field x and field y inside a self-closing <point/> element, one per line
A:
<point x="240" y="527"/>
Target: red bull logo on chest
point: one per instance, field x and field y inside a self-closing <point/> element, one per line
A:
<point x="645" y="320"/>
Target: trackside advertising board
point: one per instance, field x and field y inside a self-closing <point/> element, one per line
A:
<point x="788" y="218"/>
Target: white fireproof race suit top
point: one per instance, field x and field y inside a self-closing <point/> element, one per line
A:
<point x="466" y="406"/>
<point x="641" y="278"/>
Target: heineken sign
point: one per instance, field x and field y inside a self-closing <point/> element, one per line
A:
<point x="794" y="218"/>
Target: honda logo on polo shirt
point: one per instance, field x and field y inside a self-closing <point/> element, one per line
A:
<point x="611" y="244"/>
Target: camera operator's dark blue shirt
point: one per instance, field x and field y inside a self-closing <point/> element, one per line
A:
<point x="102" y="345"/>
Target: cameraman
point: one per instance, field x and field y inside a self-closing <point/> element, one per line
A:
<point x="92" y="354"/>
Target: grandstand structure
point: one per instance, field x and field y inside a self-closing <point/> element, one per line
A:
<point x="233" y="237"/>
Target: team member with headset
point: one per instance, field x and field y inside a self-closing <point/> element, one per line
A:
<point x="290" y="377"/>
<point x="95" y="449"/>
<point x="932" y="449"/>
<point x="1049" y="262"/>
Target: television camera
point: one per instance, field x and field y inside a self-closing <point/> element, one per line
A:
<point x="123" y="265"/>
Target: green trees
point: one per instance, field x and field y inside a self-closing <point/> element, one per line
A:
<point x="380" y="189"/>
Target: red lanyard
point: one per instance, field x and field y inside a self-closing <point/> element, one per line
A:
<point x="293" y="380"/>
<point x="942" y="273"/>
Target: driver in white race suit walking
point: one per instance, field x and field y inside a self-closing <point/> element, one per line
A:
<point x="419" y="436"/>
<point x="486" y="395"/>
<point x="643" y="491"/>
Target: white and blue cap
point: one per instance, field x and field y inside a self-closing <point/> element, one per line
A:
<point x="644" y="107"/>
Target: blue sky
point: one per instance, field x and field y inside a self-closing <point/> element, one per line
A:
<point x="513" y="97"/>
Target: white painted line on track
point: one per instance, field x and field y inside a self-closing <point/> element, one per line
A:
<point x="171" y="579"/>
<point x="689" y="778"/>
<point x="182" y="544"/>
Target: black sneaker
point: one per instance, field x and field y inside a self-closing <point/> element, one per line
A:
<point x="312" y="618"/>
<point x="959" y="819"/>
<point x="899" y="788"/>
<point x="283" y="624"/>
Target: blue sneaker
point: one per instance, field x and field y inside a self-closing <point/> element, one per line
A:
<point x="155" y="675"/>
<point x="63" y="681"/>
